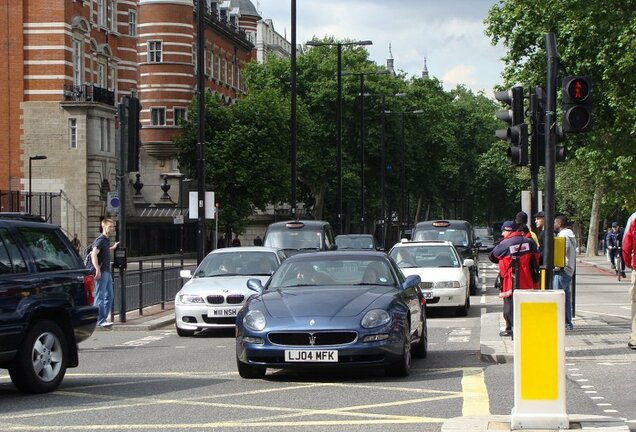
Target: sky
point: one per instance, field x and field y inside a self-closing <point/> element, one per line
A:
<point x="449" y="34"/>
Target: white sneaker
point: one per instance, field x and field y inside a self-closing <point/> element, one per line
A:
<point x="106" y="324"/>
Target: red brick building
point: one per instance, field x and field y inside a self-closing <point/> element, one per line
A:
<point x="67" y="63"/>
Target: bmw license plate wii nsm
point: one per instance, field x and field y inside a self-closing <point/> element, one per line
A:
<point x="311" y="356"/>
<point x="223" y="312"/>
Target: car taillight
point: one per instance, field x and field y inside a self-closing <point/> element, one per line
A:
<point x="89" y="288"/>
<point x="422" y="301"/>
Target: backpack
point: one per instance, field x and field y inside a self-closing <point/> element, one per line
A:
<point x="88" y="263"/>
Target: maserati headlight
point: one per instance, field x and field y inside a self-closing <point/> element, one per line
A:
<point x="447" y="284"/>
<point x="254" y="320"/>
<point x="191" y="299"/>
<point x="375" y="318"/>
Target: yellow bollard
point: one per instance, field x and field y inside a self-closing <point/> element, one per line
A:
<point x="539" y="360"/>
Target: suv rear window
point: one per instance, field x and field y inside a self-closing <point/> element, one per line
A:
<point x="11" y="260"/>
<point x="49" y="251"/>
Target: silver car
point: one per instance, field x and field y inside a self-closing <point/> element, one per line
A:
<point x="218" y="289"/>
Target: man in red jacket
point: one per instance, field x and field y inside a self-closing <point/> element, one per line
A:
<point x="514" y="255"/>
<point x="629" y="258"/>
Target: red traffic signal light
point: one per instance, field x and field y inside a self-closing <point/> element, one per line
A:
<point x="577" y="104"/>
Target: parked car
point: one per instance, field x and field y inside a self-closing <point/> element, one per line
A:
<point x="300" y="236"/>
<point x="484" y="236"/>
<point x="357" y="242"/>
<point x="217" y="290"/>
<point x="46" y="302"/>
<point x="461" y="234"/>
<point x="330" y="309"/>
<point x="445" y="274"/>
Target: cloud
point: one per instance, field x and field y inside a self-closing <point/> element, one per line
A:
<point x="449" y="34"/>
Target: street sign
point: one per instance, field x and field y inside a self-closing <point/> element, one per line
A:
<point x="112" y="203"/>
<point x="193" y="205"/>
<point x="178" y="220"/>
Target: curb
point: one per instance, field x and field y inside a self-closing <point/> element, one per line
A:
<point x="149" y="325"/>
<point x="492" y="348"/>
<point x="502" y="423"/>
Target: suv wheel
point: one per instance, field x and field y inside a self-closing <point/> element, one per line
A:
<point x="40" y="364"/>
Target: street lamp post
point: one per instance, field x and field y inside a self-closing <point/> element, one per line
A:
<point x="403" y="165"/>
<point x="362" y="152"/>
<point x="32" y="158"/>
<point x="339" y="46"/>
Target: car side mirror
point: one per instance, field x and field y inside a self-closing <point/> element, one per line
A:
<point x="186" y="274"/>
<point x="468" y="262"/>
<point x="255" y="285"/>
<point x="411" y="281"/>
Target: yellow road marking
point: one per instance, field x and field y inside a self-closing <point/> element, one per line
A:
<point x="475" y="394"/>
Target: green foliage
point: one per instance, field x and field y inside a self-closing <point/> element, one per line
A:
<point x="596" y="39"/>
<point x="453" y="164"/>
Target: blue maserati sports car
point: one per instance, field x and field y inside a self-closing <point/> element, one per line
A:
<point x="332" y="308"/>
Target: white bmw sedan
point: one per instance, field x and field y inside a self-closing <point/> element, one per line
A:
<point x="445" y="275"/>
<point x="218" y="288"/>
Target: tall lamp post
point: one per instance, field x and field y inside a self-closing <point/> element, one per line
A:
<point x="339" y="45"/>
<point x="402" y="114"/>
<point x="362" y="162"/>
<point x="32" y="158"/>
<point x="383" y="166"/>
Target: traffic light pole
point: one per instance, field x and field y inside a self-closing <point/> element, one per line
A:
<point x="550" y="140"/>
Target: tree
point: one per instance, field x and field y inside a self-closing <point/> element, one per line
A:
<point x="597" y="40"/>
<point x="247" y="158"/>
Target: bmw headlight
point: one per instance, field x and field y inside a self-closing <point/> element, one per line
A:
<point x="191" y="299"/>
<point x="375" y="318"/>
<point x="254" y="320"/>
<point x="447" y="284"/>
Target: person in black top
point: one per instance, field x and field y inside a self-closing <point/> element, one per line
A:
<point x="100" y="257"/>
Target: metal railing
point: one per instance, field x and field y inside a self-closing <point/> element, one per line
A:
<point x="89" y="93"/>
<point x="150" y="281"/>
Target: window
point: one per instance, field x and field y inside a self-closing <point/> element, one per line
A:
<point x="72" y="133"/>
<point x="132" y="23"/>
<point x="108" y="135"/>
<point x="102" y="134"/>
<point x="179" y="116"/>
<point x="113" y="15"/>
<point x="77" y="63"/>
<point x="11" y="260"/>
<point x="154" y="51"/>
<point x="101" y="75"/>
<point x="158" y="116"/>
<point x="50" y="252"/>
<point x="102" y="13"/>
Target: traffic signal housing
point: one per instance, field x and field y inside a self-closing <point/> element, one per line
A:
<point x="516" y="134"/>
<point x="134" y="124"/>
<point x="577" y="104"/>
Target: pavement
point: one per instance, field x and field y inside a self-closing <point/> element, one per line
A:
<point x="493" y="349"/>
<point x="587" y="332"/>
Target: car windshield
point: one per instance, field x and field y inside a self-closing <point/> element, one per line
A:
<point x="349" y="271"/>
<point x="294" y="239"/>
<point x="237" y="263"/>
<point x="355" y="242"/>
<point x="455" y="236"/>
<point x="482" y="232"/>
<point x="425" y="256"/>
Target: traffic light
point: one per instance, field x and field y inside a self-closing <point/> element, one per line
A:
<point x="577" y="104"/>
<point x="537" y="121"/>
<point x="516" y="134"/>
<point x="134" y="111"/>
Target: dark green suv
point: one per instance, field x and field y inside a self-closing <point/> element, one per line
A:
<point x="46" y="303"/>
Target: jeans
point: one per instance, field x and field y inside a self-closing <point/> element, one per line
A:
<point x="104" y="296"/>
<point x="562" y="281"/>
